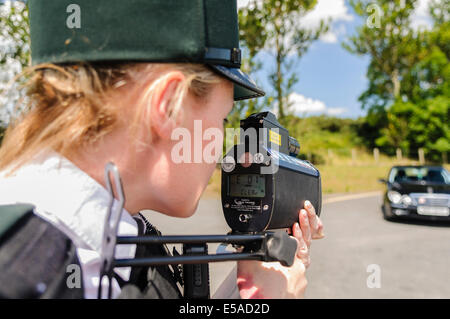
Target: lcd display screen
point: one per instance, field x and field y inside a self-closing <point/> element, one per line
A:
<point x="247" y="185"/>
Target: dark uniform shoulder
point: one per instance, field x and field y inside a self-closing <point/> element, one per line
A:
<point x="35" y="256"/>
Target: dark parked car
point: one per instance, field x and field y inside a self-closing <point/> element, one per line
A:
<point x="417" y="192"/>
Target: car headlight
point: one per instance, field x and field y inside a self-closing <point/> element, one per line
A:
<point x="406" y="200"/>
<point x="394" y="197"/>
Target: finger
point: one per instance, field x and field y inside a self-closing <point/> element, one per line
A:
<point x="319" y="234"/>
<point x="310" y="208"/>
<point x="313" y="223"/>
<point x="302" y="248"/>
<point x="304" y="225"/>
<point x="296" y="231"/>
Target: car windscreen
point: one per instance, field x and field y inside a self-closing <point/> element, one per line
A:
<point x="418" y="174"/>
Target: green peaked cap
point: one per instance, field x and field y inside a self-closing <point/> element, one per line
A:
<point x="184" y="31"/>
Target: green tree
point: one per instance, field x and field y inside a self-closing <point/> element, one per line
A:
<point x="413" y="126"/>
<point x="408" y="97"/>
<point x="427" y="86"/>
<point x="440" y="11"/>
<point x="393" y="46"/>
<point x="14" y="54"/>
<point x="14" y="31"/>
<point x="395" y="134"/>
<point x="248" y="23"/>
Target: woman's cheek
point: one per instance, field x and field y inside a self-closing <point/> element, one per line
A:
<point x="212" y="144"/>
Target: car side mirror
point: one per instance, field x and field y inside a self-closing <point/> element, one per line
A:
<point x="382" y="180"/>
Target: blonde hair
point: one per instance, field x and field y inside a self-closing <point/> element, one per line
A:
<point x="66" y="109"/>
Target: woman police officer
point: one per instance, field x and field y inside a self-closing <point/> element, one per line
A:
<point x="112" y="87"/>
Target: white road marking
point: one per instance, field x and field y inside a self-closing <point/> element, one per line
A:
<point x="351" y="197"/>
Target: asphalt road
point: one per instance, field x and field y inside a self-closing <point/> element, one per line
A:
<point x="362" y="256"/>
<point x="413" y="258"/>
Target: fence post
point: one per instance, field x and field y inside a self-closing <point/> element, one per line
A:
<point x="376" y="155"/>
<point x="444" y="158"/>
<point x="399" y="154"/>
<point x="421" y="156"/>
<point x="353" y="156"/>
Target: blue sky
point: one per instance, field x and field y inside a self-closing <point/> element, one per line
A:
<point x="332" y="75"/>
<point x="330" y="78"/>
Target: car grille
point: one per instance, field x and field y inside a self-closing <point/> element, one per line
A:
<point x="442" y="200"/>
<point x="436" y="202"/>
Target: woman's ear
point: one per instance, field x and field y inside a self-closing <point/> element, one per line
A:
<point x="164" y="97"/>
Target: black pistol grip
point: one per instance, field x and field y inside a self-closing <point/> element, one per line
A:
<point x="196" y="276"/>
<point x="282" y="247"/>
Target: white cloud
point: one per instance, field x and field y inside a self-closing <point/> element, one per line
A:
<point x="302" y="106"/>
<point x="329" y="37"/>
<point x="334" y="11"/>
<point x="421" y="17"/>
<point x="244" y="3"/>
<point x="328" y="10"/>
<point x="336" y="110"/>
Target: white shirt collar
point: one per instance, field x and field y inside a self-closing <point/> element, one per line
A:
<point x="62" y="191"/>
<point x="76" y="204"/>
